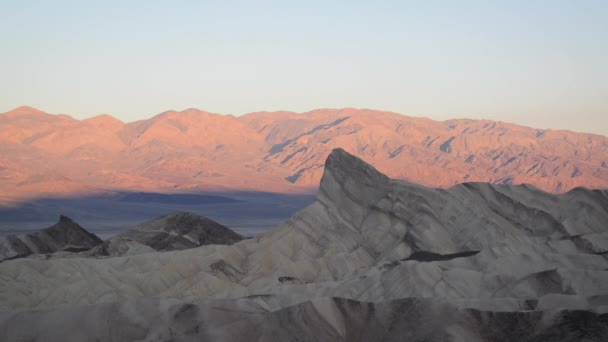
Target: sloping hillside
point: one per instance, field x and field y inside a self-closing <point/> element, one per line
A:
<point x="372" y="257"/>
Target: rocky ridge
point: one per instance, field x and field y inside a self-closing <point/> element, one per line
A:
<point x="64" y="236"/>
<point x="372" y="258"/>
<point x="171" y="232"/>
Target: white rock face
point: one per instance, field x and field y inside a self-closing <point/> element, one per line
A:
<point x="371" y="259"/>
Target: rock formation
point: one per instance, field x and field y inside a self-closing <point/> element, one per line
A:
<point x="172" y="232"/>
<point x="371" y="259"/>
<point x="66" y="235"/>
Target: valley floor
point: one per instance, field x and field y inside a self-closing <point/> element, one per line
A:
<point x="248" y="213"/>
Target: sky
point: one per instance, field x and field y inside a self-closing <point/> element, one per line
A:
<point x="537" y="63"/>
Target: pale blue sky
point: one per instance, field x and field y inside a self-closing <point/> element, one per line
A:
<point x="538" y="63"/>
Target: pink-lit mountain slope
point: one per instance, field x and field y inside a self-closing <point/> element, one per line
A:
<point x="44" y="154"/>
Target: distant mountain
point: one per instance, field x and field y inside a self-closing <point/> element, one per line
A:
<point x="281" y="151"/>
<point x="175" y="231"/>
<point x="64" y="236"/>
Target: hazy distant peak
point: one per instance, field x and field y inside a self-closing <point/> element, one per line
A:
<point x="194" y="110"/>
<point x="187" y="112"/>
<point x="26" y="110"/>
<point x="104" y="119"/>
<point x="65" y="219"/>
<point x="23" y="111"/>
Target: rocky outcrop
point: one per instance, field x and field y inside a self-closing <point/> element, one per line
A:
<point x="323" y="319"/>
<point x="175" y="231"/>
<point x="65" y="236"/>
<point x="371" y="259"/>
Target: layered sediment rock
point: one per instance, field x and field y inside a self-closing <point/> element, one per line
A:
<point x="175" y="231"/>
<point x="66" y="235"/>
<point x="371" y="259"/>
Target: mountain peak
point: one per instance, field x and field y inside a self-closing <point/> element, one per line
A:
<point x="66" y="235"/>
<point x="24" y="110"/>
<point x="104" y="120"/>
<point x="347" y="178"/>
<point x="343" y="164"/>
<point x="174" y="231"/>
<point x="65" y="219"/>
<point x="30" y="113"/>
<point x="27" y="109"/>
<point x="70" y="232"/>
<point x="104" y="117"/>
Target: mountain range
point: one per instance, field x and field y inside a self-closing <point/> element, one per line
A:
<point x="192" y="150"/>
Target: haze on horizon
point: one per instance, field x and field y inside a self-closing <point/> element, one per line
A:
<point x="540" y="64"/>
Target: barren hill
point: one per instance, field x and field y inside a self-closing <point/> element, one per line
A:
<point x="282" y="151"/>
<point x="175" y="231"/>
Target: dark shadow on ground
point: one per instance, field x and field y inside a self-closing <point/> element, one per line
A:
<point x="425" y="256"/>
<point x="248" y="213"/>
